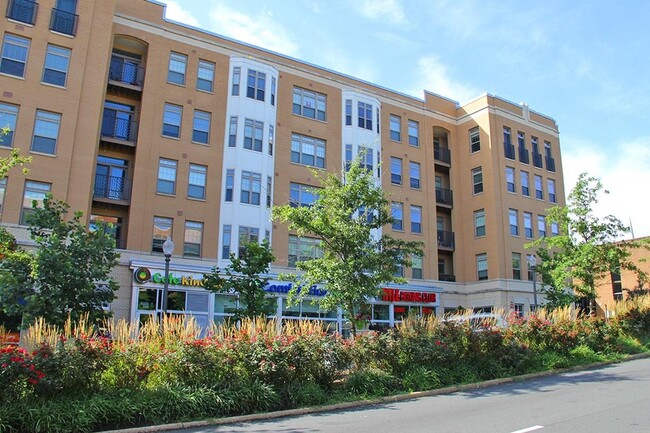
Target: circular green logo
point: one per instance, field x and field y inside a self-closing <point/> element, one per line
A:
<point x="142" y="275"/>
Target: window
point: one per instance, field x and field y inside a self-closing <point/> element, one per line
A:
<point x="416" y="219"/>
<point x="236" y="80"/>
<point x="307" y="150"/>
<point x="541" y="226"/>
<point x="555" y="229"/>
<point x="516" y="266"/>
<point x="302" y="195"/>
<point x="510" y="179"/>
<point x="414" y="174"/>
<point x="14" y="55"/>
<point x="166" y="176"/>
<point x="507" y="139"/>
<point x="196" y="182"/>
<point x="57" y="60"/>
<point x="474" y="140"/>
<point x="193" y="239"/>
<point x="550" y="162"/>
<point x="226" y="241"/>
<point x="273" y="89"/>
<point x="205" y="76"/>
<point x="550" y="185"/>
<point x="271" y="135"/>
<point x="477" y="180"/>
<point x="348" y="156"/>
<point x="302" y="249"/>
<point x="414" y="133"/>
<point x="162" y="230"/>
<point x="269" y="189"/>
<point x="479" y="223"/>
<point x="528" y="225"/>
<point x="3" y="188"/>
<point x="34" y="194"/>
<point x="230" y="184"/>
<point x="247" y="235"/>
<point x="525" y="183"/>
<point x="256" y="85"/>
<point x="416" y="267"/>
<point x="395" y="170"/>
<point x="117" y="121"/>
<point x="539" y="192"/>
<point x="366" y="158"/>
<point x="481" y="267"/>
<point x="22" y="10"/>
<point x="312" y="104"/>
<point x="398" y="216"/>
<point x="46" y="132"/>
<point x="513" y="216"/>
<point x="521" y="140"/>
<point x="251" y="187"/>
<point x="177" y="66"/>
<point x="64" y="19"/>
<point x="8" y="116"/>
<point x="529" y="259"/>
<point x="348" y="112"/>
<point x="232" y="132"/>
<point x="172" y="121"/>
<point x="253" y="134"/>
<point x="365" y="115"/>
<point x="201" y="127"/>
<point x="395" y="123"/>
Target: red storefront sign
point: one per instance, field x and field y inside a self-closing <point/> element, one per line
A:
<point x="397" y="295"/>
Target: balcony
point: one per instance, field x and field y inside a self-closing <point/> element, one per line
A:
<point x="125" y="73"/>
<point x="509" y="150"/>
<point x="524" y="156"/>
<point x="22" y="10"/>
<point x="447" y="277"/>
<point x="442" y="154"/>
<point x="64" y="22"/>
<point x="537" y="159"/>
<point x="112" y="189"/>
<point x="550" y="164"/>
<point x="446" y="240"/>
<point x="119" y="128"/>
<point x="444" y="196"/>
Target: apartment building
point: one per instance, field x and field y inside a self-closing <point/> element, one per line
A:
<point x="155" y="129"/>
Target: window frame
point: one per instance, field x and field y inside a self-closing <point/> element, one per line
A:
<point x="251" y="188"/>
<point x="300" y="96"/>
<point x="21" y="46"/>
<point x="525" y="183"/>
<point x="550" y="189"/>
<point x="510" y="180"/>
<point x="8" y="118"/>
<point x="177" y="68"/>
<point x="192" y="228"/>
<point x="303" y="244"/>
<point x="229" y="186"/>
<point x="528" y="225"/>
<point x="416" y="219"/>
<point x="37" y="191"/>
<point x="170" y="112"/>
<point x="166" y="167"/>
<point x="43" y="122"/>
<point x="396" y="174"/>
<point x="201" y="117"/>
<point x="477" y="185"/>
<point x="205" y="68"/>
<point x="482" y="267"/>
<point x="197" y="172"/>
<point x="414" y="133"/>
<point x="516" y="266"/>
<point x="480" y="223"/>
<point x="300" y="144"/>
<point x="541" y="226"/>
<point x="474" y="140"/>
<point x="49" y="55"/>
<point x="513" y="221"/>
<point x="364" y="115"/>
<point x="256" y="85"/>
<point x="414" y="168"/>
<point x="397" y="213"/>
<point x="539" y="187"/>
<point x="395" y="127"/>
<point x="301" y="195"/>
<point x="253" y="135"/>
<point x="156" y="243"/>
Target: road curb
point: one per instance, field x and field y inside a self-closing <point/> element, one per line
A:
<point x="364" y="403"/>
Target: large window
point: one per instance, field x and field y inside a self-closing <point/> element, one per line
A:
<point x="34" y="194"/>
<point x="395" y="123"/>
<point x="162" y="230"/>
<point x="307" y="150"/>
<point x="14" y="55"/>
<point x="528" y="225"/>
<point x="414" y="133"/>
<point x="416" y="219"/>
<point x="253" y="135"/>
<point x="555" y="229"/>
<point x="57" y="60"/>
<point x="474" y="140"/>
<point x="395" y="170"/>
<point x="510" y="179"/>
<point x="541" y="226"/>
<point x="513" y="216"/>
<point x="205" y="76"/>
<point x="226" y="241"/>
<point x="230" y="184"/>
<point x="507" y="136"/>
<point x="256" y="85"/>
<point x="302" y="249"/>
<point x="550" y="184"/>
<point x="64" y="18"/>
<point x="516" y="266"/>
<point x="414" y="174"/>
<point x="416" y="267"/>
<point x="196" y="182"/>
<point x="247" y="235"/>
<point x="302" y="195"/>
<point x="193" y="239"/>
<point x="348" y="112"/>
<point x="177" y="67"/>
<point x="251" y="187"/>
<point x="481" y="267"/>
<point x="236" y="81"/>
<point x="22" y="10"/>
<point x="479" y="223"/>
<point x="525" y="183"/>
<point x="166" y="176"/>
<point x="232" y="132"/>
<point x="397" y="212"/>
<point x="8" y="116"/>
<point x="46" y="132"/>
<point x="172" y="121"/>
<point x="365" y="115"/>
<point x="539" y="191"/>
<point x="309" y="104"/>
<point x="201" y="127"/>
<point x="477" y="180"/>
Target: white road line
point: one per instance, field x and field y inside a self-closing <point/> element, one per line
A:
<point x="526" y="430"/>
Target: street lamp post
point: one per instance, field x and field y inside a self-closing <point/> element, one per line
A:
<point x="532" y="262"/>
<point x="168" y="249"/>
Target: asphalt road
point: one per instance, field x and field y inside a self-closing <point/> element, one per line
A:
<point x="614" y="398"/>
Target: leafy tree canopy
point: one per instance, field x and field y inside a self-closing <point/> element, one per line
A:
<point x="13" y="160"/>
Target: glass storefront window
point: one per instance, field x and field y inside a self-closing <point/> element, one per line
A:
<point x="225" y="304"/>
<point x="176" y="300"/>
<point x="380" y="312"/>
<point x="147" y="299"/>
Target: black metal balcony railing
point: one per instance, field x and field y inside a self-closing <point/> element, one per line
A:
<point x="447" y="277"/>
<point x="112" y="187"/>
<point x="118" y="127"/>
<point x="550" y="163"/>
<point x="64" y="22"/>
<point x="524" y="156"/>
<point x="446" y="240"/>
<point x="509" y="150"/>
<point x="537" y="160"/>
<point x="444" y="196"/>
<point x="125" y="72"/>
<point x="442" y="154"/>
<point x="22" y="10"/>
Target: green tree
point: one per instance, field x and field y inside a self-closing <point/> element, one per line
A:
<point x="13" y="160"/>
<point x="66" y="275"/>
<point x="587" y="249"/>
<point x="348" y="214"/>
<point x="244" y="276"/>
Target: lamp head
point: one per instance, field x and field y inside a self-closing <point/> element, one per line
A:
<point x="532" y="261"/>
<point x="168" y="247"/>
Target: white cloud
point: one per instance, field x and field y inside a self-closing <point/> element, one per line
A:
<point x="623" y="172"/>
<point x="391" y="11"/>
<point x="260" y="29"/>
<point x="434" y="77"/>
<point x="175" y="12"/>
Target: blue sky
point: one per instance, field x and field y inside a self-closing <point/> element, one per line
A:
<point x="584" y="63"/>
